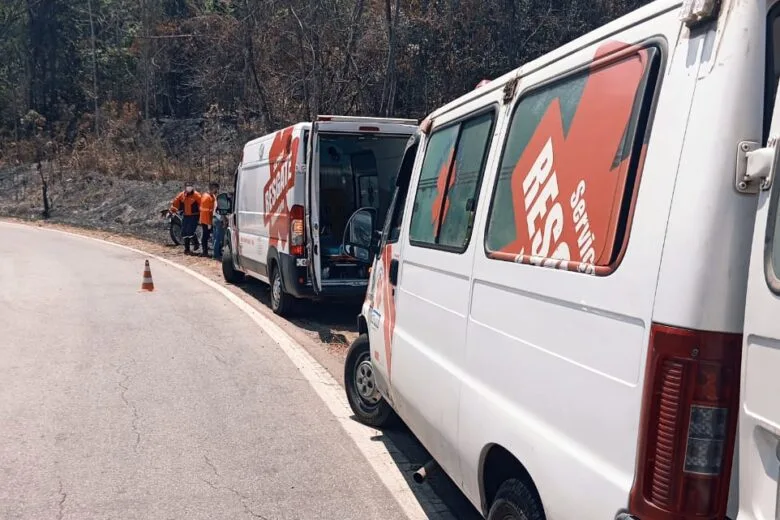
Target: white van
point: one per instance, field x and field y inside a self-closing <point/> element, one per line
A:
<point x="563" y="284"/>
<point x="296" y="190"/>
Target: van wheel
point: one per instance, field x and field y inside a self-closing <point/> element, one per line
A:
<point x="228" y="269"/>
<point x="367" y="403"/>
<point x="281" y="302"/>
<point x="514" y="501"/>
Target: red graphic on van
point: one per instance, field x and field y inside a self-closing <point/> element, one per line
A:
<point x="282" y="161"/>
<point x="438" y="214"/>
<point x="567" y="186"/>
<point x="385" y="302"/>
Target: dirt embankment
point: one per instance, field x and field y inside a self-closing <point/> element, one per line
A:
<point x="91" y="201"/>
<point x="128" y="212"/>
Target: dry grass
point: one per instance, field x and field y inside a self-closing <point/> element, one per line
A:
<point x="129" y="147"/>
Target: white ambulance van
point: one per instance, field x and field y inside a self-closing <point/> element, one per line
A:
<point x="576" y="293"/>
<point x="294" y="193"/>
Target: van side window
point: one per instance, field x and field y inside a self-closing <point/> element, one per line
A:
<point x="445" y="202"/>
<point x="570" y="167"/>
<point x="394" y="229"/>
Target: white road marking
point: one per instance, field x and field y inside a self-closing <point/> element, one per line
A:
<point x="388" y="467"/>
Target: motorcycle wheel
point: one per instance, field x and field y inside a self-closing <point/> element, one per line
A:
<point x="175" y="232"/>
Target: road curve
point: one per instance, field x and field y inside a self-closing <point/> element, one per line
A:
<point x="122" y="404"/>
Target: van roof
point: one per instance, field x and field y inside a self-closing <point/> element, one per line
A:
<point x="632" y="18"/>
<point x="268" y="136"/>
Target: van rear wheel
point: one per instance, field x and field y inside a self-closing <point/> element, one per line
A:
<point x="367" y="403"/>
<point x="281" y="302"/>
<point x="515" y="501"/>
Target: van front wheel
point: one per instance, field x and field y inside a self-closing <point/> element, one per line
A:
<point x="367" y="403"/>
<point x="515" y="501"/>
<point x="228" y="270"/>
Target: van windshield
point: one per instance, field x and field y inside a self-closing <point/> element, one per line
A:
<point x="355" y="171"/>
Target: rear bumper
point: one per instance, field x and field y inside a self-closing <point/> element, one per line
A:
<point x="295" y="277"/>
<point x="296" y="283"/>
<point x="344" y="292"/>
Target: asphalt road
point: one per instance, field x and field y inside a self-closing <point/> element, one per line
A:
<point x="121" y="404"/>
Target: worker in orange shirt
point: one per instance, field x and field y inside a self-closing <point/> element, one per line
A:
<point x="208" y="203"/>
<point x="188" y="201"/>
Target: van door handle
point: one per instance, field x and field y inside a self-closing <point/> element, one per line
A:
<point x="394" y="272"/>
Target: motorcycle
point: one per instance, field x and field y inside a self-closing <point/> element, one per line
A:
<point x="174" y="220"/>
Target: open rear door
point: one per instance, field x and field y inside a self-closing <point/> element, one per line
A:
<point x="336" y="125"/>
<point x="312" y="204"/>
<point x="759" y="421"/>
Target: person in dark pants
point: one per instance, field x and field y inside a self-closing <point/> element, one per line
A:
<point x="208" y="202"/>
<point x="219" y="225"/>
<point x="188" y="202"/>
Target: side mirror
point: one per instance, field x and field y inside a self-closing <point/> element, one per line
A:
<point x="359" y="236"/>
<point x="224" y="204"/>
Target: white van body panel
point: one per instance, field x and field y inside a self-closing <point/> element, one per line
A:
<point x="434" y="287"/>
<point x="705" y="298"/>
<point x="550" y="364"/>
<point x="270" y="182"/>
<point x="567" y="350"/>
<point x="759" y="426"/>
<point x="759" y="431"/>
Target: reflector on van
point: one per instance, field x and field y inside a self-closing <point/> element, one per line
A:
<point x="689" y="422"/>
<point x="694" y="12"/>
<point x="297" y="236"/>
<point x="368" y="128"/>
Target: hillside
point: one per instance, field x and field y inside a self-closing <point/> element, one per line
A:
<point x="142" y="89"/>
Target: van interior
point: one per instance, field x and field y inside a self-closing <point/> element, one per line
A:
<point x="356" y="171"/>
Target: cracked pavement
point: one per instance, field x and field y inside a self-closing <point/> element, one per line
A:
<point x="120" y="404"/>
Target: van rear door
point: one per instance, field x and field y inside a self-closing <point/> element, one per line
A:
<point x="759" y="420"/>
<point x="337" y="125"/>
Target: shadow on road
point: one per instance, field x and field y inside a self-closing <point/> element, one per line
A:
<point x="404" y="441"/>
<point x="333" y="323"/>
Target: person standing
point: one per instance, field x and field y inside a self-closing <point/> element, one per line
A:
<point x="219" y="224"/>
<point x="188" y="202"/>
<point x="208" y="203"/>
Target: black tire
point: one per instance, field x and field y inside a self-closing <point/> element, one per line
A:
<point x="175" y="231"/>
<point x="515" y="501"/>
<point x="228" y="269"/>
<point x="359" y="382"/>
<point x="281" y="302"/>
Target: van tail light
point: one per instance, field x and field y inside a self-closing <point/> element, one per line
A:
<point x="688" y="425"/>
<point x="296" y="231"/>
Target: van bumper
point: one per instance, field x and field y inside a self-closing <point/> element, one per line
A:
<point x="295" y="277"/>
<point x="296" y="283"/>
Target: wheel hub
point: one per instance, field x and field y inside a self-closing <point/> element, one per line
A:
<point x="364" y="382"/>
<point x="277" y="289"/>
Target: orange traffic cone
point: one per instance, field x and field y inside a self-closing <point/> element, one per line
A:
<point x="148" y="284"/>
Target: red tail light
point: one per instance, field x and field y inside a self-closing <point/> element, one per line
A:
<point x="688" y="425"/>
<point x="368" y="128"/>
<point x="297" y="231"/>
